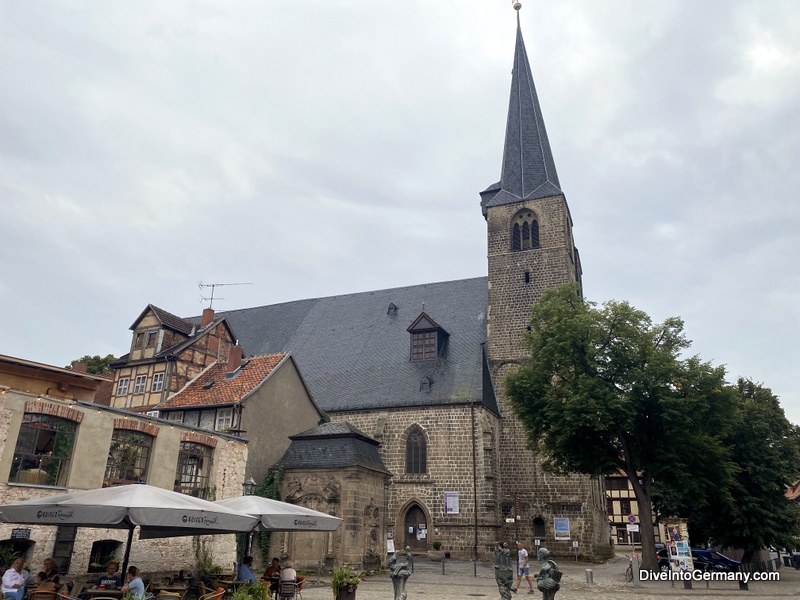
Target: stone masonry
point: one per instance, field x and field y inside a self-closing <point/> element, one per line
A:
<point x="516" y="281"/>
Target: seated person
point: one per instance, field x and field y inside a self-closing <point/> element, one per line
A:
<point x="289" y="574"/>
<point x="273" y="574"/>
<point x="135" y="584"/>
<point x="48" y="576"/>
<point x="245" y="573"/>
<point x="14" y="580"/>
<point x="110" y="579"/>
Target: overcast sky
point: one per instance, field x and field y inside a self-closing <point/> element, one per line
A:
<point x="316" y="148"/>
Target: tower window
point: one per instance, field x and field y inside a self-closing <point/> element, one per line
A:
<point x="524" y="231"/>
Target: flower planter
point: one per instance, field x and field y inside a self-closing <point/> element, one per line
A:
<point x="348" y="593"/>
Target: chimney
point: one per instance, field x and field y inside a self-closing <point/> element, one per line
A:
<point x="79" y="366"/>
<point x="207" y="318"/>
<point x="235" y="358"/>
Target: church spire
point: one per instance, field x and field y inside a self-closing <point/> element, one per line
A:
<point x="529" y="170"/>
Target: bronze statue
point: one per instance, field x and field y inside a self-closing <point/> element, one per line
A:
<point x="409" y="559"/>
<point x="399" y="574"/>
<point x="548" y="580"/>
<point x="503" y="573"/>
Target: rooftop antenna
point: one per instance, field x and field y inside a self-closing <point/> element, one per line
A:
<point x="213" y="287"/>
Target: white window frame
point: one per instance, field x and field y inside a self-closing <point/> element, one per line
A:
<point x="158" y="382"/>
<point x="140" y="384"/>
<point x="152" y="413"/>
<point x="224" y="419"/>
<point x="122" y="386"/>
<point x="176" y="415"/>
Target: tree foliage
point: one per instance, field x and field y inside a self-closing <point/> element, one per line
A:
<point x="765" y="447"/>
<point x="606" y="390"/>
<point x="270" y="487"/>
<point x="97" y="365"/>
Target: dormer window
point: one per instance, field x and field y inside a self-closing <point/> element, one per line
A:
<point x="428" y="339"/>
<point x="138" y="341"/>
<point x="152" y="336"/>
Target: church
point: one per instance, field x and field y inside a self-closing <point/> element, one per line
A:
<point x="420" y="369"/>
<point x="418" y="373"/>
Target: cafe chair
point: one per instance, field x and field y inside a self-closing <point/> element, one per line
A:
<point x="217" y="595"/>
<point x="288" y="589"/>
<point x="47" y="594"/>
<point x="168" y="595"/>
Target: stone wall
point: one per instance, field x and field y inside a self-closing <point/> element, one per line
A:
<point x="451" y="432"/>
<point x="228" y="473"/>
<point x="354" y="494"/>
<point x="516" y="281"/>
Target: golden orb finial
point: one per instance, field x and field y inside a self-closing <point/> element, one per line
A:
<point x="517" y="5"/>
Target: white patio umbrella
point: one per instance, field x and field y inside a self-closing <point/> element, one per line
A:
<point x="158" y="512"/>
<point x="274" y="515"/>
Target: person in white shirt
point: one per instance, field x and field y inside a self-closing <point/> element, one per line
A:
<point x="522" y="570"/>
<point x="14" y="581"/>
<point x="289" y="574"/>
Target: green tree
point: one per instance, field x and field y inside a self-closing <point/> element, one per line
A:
<point x="765" y="447"/>
<point x="606" y="390"/>
<point x="97" y="365"/>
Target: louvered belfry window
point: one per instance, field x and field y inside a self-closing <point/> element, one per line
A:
<point x="524" y="231"/>
<point x="416" y="452"/>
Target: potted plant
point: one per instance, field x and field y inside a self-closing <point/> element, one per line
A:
<point x="436" y="554"/>
<point x="344" y="582"/>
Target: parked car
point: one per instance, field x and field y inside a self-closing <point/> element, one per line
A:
<point x="703" y="563"/>
<point x="712" y="557"/>
<point x="663" y="559"/>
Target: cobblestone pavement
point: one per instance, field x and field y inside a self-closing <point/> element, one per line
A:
<point x="459" y="582"/>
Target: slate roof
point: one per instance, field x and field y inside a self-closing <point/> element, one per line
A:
<point x="354" y="355"/>
<point x="332" y="446"/>
<point x="212" y="388"/>
<point x="529" y="170"/>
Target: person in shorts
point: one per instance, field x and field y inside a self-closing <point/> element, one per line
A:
<point x="522" y="568"/>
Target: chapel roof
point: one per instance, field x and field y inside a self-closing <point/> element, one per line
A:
<point x="332" y="446"/>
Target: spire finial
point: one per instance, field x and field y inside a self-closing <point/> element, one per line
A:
<point x="517" y="6"/>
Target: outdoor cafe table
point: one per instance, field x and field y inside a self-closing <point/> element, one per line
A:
<point x="95" y="592"/>
<point x="175" y="588"/>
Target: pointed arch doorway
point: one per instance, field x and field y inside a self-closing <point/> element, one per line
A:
<point x="415" y="520"/>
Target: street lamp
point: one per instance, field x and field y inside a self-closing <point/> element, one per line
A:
<point x="249" y="488"/>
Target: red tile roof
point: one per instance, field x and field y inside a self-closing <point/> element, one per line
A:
<point x="211" y="388"/>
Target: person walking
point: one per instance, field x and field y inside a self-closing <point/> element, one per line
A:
<point x="522" y="568"/>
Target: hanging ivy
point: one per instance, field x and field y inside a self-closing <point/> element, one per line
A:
<point x="270" y="488"/>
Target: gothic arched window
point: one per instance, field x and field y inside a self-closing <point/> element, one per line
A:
<point x="416" y="451"/>
<point x="524" y="231"/>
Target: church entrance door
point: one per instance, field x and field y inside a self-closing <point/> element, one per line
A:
<point x="416" y="524"/>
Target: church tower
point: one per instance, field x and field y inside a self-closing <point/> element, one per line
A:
<point x="530" y="249"/>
